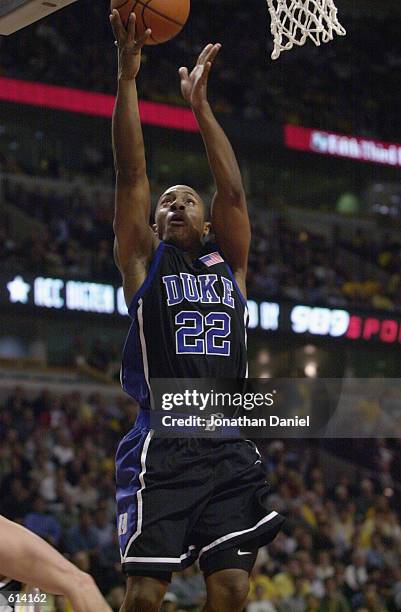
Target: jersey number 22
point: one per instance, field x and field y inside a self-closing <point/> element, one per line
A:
<point x="203" y="334"/>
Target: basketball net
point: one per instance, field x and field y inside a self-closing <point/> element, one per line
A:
<point x="294" y="21"/>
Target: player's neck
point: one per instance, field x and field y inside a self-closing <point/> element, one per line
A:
<point x="190" y="253"/>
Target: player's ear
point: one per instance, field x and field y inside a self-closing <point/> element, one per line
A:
<point x="207" y="227"/>
<point x="154" y="228"/>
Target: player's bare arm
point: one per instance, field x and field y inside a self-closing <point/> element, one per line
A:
<point x="29" y="559"/>
<point x="134" y="239"/>
<point x="230" y="221"/>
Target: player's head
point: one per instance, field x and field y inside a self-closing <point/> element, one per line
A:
<point x="180" y="217"/>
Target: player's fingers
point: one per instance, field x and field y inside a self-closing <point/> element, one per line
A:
<point x="203" y="54"/>
<point x="113" y="27"/>
<point x="183" y="72"/>
<point x="213" y="52"/>
<point x="131" y="27"/>
<point x="116" y="24"/>
<point x="141" y="41"/>
<point x="205" y="72"/>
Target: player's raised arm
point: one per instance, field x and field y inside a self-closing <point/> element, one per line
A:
<point x="134" y="238"/>
<point x="230" y="222"/>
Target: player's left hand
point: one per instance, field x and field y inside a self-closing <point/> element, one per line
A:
<point x="194" y="85"/>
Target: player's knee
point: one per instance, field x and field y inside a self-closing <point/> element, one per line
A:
<point x="228" y="588"/>
<point x="141" y="602"/>
<point x="143" y="595"/>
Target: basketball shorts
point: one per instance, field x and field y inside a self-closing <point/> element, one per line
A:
<point x="179" y="500"/>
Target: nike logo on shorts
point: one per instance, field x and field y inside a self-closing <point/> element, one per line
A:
<point x="245" y="552"/>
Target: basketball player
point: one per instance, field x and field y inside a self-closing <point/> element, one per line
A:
<point x="182" y="499"/>
<point x="25" y="557"/>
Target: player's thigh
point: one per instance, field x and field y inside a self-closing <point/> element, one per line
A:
<point x="227" y="577"/>
<point x="233" y="558"/>
<point x="227" y="588"/>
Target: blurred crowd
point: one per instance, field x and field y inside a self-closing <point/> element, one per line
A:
<point x="99" y="358"/>
<point x="350" y="85"/>
<point x="76" y="240"/>
<point x="302" y="266"/>
<point x="340" y="549"/>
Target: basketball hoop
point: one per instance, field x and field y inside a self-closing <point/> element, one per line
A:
<point x="294" y="21"/>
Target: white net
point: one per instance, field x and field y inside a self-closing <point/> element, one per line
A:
<point x="294" y="21"/>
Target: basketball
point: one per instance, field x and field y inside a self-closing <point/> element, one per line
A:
<point x="165" y="18"/>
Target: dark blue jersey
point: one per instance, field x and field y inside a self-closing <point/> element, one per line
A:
<point x="188" y="321"/>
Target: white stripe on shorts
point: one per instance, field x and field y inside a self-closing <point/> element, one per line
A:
<point x="229" y="536"/>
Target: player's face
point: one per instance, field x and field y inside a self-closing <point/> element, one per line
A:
<point x="180" y="217"/>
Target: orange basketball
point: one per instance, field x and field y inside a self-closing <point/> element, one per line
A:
<point x="165" y="18"/>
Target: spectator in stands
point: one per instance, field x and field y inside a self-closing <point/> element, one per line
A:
<point x="170" y="603"/>
<point x="63" y="449"/>
<point x="16" y="502"/>
<point x="366" y="497"/>
<point x="296" y="602"/>
<point x="102" y="527"/>
<point x="314" y="584"/>
<point x="86" y="494"/>
<point x="370" y="599"/>
<point x="260" y="604"/>
<point x="42" y="523"/>
<point x="312" y="604"/>
<point x="107" y="564"/>
<point x="82" y="537"/>
<point x="324" y="568"/>
<point x="188" y="587"/>
<point x="263" y="584"/>
<point x="356" y="574"/>
<point x="333" y="600"/>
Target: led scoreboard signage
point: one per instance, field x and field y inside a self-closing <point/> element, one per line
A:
<point x="342" y="324"/>
<point x="342" y="145"/>
<point x="59" y="294"/>
<point x="67" y="295"/>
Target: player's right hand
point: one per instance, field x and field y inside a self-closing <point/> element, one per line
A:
<point x="129" y="49"/>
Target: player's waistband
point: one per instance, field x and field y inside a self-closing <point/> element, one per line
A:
<point x="145" y="421"/>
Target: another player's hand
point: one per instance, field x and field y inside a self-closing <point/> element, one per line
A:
<point x="84" y="595"/>
<point x="194" y="85"/>
<point x="129" y="49"/>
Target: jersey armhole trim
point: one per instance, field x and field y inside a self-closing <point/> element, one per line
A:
<point x="231" y="273"/>
<point x="149" y="277"/>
